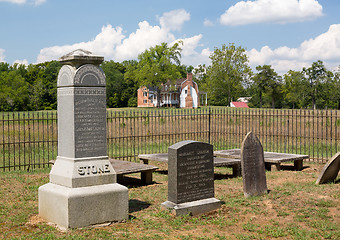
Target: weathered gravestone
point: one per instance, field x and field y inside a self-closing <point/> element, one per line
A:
<point x="82" y="189"/>
<point x="253" y="166"/>
<point x="330" y="170"/>
<point x="191" y="178"/>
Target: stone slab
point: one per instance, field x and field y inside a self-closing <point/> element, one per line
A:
<point x="125" y="167"/>
<point x="79" y="57"/>
<point x="270" y="158"/>
<point x="234" y="163"/>
<point x="229" y="153"/>
<point x="330" y="171"/>
<point x="191" y="178"/>
<point x="82" y="122"/>
<point x="85" y="206"/>
<point x="193" y="208"/>
<point x="226" y="162"/>
<point x="253" y="166"/>
<point x="159" y="157"/>
<point x="82" y="172"/>
<point x="190" y="172"/>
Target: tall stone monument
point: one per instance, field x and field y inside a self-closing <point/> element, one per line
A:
<point x="83" y="189"/>
<point x="191" y="178"/>
<point x="253" y="166"/>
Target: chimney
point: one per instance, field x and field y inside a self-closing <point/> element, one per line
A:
<point x="189" y="76"/>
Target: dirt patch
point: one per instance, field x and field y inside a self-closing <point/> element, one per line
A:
<point x="35" y="219"/>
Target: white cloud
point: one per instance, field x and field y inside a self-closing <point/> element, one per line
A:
<point x="24" y="62"/>
<point x="144" y="37"/>
<point x="325" y="47"/>
<point x="271" y="11"/>
<point x="104" y="44"/>
<point x="14" y="1"/>
<point x="189" y="54"/>
<point x="39" y="2"/>
<point x="2" y="55"/>
<point x="35" y="2"/>
<point x="208" y="23"/>
<point x="174" y="20"/>
<point x="113" y="45"/>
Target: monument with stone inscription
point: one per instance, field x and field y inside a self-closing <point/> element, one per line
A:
<point x="191" y="178"/>
<point x="82" y="189"/>
<point x="253" y="166"/>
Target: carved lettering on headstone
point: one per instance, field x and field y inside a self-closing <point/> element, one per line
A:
<point x="191" y="172"/>
<point x="93" y="169"/>
<point x="90" y="122"/>
<point x="191" y="178"/>
<point x="253" y="166"/>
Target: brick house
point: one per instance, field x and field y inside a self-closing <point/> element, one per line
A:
<point x="183" y="94"/>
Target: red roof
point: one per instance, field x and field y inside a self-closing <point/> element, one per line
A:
<point x="240" y="104"/>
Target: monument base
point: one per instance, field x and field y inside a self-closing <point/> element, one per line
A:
<point x="84" y="206"/>
<point x="193" y="208"/>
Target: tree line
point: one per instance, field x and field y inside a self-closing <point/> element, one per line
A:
<point x="228" y="77"/>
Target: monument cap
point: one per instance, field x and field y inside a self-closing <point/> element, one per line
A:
<point x="80" y="57"/>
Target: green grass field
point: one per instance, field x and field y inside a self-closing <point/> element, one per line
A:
<point x="295" y="208"/>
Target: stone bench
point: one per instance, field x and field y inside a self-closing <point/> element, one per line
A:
<point x="235" y="164"/>
<point x="125" y="167"/>
<point x="270" y="158"/>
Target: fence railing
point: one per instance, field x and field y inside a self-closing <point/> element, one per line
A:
<point x="29" y="140"/>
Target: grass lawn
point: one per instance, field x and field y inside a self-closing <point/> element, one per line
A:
<point x="295" y="208"/>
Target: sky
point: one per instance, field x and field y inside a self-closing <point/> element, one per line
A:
<point x="286" y="34"/>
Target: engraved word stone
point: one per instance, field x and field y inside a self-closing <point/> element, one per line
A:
<point x="83" y="189"/>
<point x="191" y="178"/>
<point x="253" y="166"/>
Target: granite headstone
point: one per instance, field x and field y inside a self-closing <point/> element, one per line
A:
<point x="191" y="178"/>
<point x="83" y="190"/>
<point x="253" y="166"/>
<point x="330" y="170"/>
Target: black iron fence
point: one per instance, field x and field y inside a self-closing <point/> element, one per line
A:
<point x="29" y="140"/>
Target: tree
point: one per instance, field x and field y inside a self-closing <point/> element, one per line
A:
<point x="200" y="74"/>
<point x="266" y="83"/>
<point x="157" y="65"/>
<point x="42" y="78"/>
<point x="227" y="74"/>
<point x="129" y="96"/>
<point x="50" y="77"/>
<point x="316" y="76"/>
<point x="294" y="90"/>
<point x="4" y="67"/>
<point x="115" y="84"/>
<point x="13" y="92"/>
<point x="336" y="89"/>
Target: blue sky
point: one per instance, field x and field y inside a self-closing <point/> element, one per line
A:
<point x="287" y="34"/>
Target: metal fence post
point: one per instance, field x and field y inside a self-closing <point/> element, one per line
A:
<point x="209" y="126"/>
